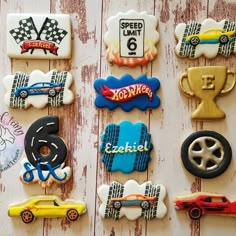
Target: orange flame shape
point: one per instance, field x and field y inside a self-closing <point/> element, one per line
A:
<point x="113" y="56"/>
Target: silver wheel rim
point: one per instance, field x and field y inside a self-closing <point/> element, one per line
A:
<point x="23" y="94"/>
<point x="194" y="41"/>
<point x="52" y="92"/>
<point x="223" y="39"/>
<point x="145" y="205"/>
<point x="117" y="204"/>
<point x="205" y="156"/>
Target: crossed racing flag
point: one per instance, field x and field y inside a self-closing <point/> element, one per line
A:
<point x="27" y="30"/>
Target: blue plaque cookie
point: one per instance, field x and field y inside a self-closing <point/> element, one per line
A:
<point x="127" y="92"/>
<point x="126" y="147"/>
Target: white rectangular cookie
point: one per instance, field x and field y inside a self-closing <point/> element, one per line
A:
<point x="31" y="36"/>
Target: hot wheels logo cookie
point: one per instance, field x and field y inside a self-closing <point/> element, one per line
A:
<point x="127" y="92"/>
<point x="126" y="147"/>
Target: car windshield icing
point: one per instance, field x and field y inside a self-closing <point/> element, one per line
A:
<point x="213" y="30"/>
<point x="56" y="203"/>
<point x="41" y="84"/>
<point x="47" y="202"/>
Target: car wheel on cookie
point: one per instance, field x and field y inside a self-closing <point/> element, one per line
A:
<point x="206" y="154"/>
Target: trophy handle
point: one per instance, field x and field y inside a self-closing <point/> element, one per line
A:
<point x="181" y="85"/>
<point x="223" y="91"/>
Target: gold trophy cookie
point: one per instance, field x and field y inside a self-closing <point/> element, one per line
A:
<point x="207" y="83"/>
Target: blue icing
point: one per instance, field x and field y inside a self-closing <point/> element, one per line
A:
<point x="131" y="137"/>
<point x="142" y="101"/>
<point x="125" y="161"/>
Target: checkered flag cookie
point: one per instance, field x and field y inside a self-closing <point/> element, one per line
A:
<point x="24" y="31"/>
<point x="52" y="32"/>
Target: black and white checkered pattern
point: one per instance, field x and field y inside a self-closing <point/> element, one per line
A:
<point x="49" y="26"/>
<point x="52" y="32"/>
<point x="56" y="36"/>
<point x="28" y="26"/>
<point x="24" y="31"/>
<point x="19" y="34"/>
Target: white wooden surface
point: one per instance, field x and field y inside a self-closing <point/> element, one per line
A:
<point x="82" y="124"/>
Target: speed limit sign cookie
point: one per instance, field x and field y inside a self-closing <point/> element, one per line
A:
<point x="131" y="38"/>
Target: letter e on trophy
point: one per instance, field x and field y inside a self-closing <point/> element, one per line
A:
<point x="206" y="83"/>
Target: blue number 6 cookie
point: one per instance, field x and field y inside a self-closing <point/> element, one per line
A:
<point x="126" y="147"/>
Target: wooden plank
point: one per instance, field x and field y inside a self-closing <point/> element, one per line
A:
<point x="219" y="10"/>
<point x="12" y="189"/>
<point x="123" y="226"/>
<point x="81" y="124"/>
<point x="79" y="121"/>
<point x="171" y="123"/>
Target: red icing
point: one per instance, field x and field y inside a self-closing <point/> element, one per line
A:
<point x="39" y="44"/>
<point x="126" y="93"/>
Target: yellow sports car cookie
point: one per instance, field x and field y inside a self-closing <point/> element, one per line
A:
<point x="48" y="207"/>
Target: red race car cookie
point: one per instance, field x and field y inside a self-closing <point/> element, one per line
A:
<point x="200" y="203"/>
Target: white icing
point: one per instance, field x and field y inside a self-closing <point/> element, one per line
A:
<point x="132" y="187"/>
<point x="38" y="101"/>
<point x="57" y="24"/>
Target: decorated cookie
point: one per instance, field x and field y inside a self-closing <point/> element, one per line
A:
<point x="38" y="89"/>
<point x="206" y="83"/>
<point x="132" y="200"/>
<point x="127" y="92"/>
<point x="34" y="207"/>
<point x="38" y="36"/>
<point x="126" y="147"/>
<point x="44" y="168"/>
<point x="209" y="38"/>
<point x="131" y="38"/>
<point x="206" y="154"/>
<point x="200" y="203"/>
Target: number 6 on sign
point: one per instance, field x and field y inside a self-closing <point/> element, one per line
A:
<point x="40" y="166"/>
<point x="132" y="45"/>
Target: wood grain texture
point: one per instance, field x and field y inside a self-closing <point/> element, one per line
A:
<point x="81" y="124"/>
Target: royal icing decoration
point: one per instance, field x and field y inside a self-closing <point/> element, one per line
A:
<point x="132" y="200"/>
<point x="126" y="147"/>
<point x="131" y="38"/>
<point x="38" y="89"/>
<point x="209" y="38"/>
<point x="200" y="203"/>
<point x="44" y="168"/>
<point x="46" y="206"/>
<point x="127" y="92"/>
<point x="206" y="154"/>
<point x="38" y="36"/>
<point x="206" y="83"/>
